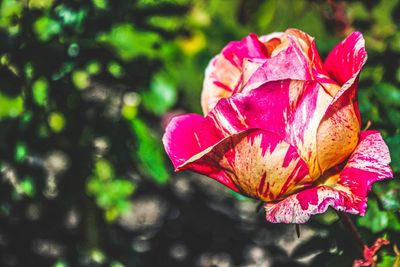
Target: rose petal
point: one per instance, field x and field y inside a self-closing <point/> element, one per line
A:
<point x="224" y="72"/>
<point x="188" y="135"/>
<point x="295" y="58"/>
<point x="339" y="128"/>
<point x="346" y="192"/>
<point x="368" y="164"/>
<point x="346" y="60"/>
<point x="184" y="137"/>
<point x="290" y="109"/>
<point x="288" y="64"/>
<point x="258" y="162"/>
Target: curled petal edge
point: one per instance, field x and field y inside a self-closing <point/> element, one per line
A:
<point x="346" y="192"/>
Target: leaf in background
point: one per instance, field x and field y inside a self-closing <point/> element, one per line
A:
<point x="390" y="261"/>
<point x="377" y="220"/>
<point x="56" y="122"/>
<point x="394" y="147"/>
<point x="162" y="95"/>
<point x="100" y="4"/>
<point x="11" y="107"/>
<point x="45" y="28"/>
<point x="20" y="152"/>
<point x="265" y="14"/>
<point x="81" y="79"/>
<point x="390" y="93"/>
<point x="27" y="187"/>
<point x="149" y="152"/>
<point x="104" y="170"/>
<point x="112" y="194"/>
<point x="40" y="4"/>
<point x="40" y="92"/>
<point x="128" y="43"/>
<point x="9" y="10"/>
<point x="384" y="25"/>
<point x="115" y="70"/>
<point x="389" y="194"/>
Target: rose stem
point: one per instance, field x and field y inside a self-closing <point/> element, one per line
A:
<point x="352" y="229"/>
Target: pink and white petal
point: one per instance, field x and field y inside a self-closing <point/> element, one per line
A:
<point x="291" y="109"/>
<point x="258" y="162"/>
<point x="303" y="125"/>
<point x="341" y="123"/>
<point x="224" y="73"/>
<point x="368" y="164"/>
<point x="289" y="63"/>
<point x="346" y="60"/>
<point x="298" y="208"/>
<point x="307" y="44"/>
<point x="187" y="135"/>
<point x="346" y="191"/>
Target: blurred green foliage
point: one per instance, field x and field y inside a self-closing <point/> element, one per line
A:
<point x="93" y="80"/>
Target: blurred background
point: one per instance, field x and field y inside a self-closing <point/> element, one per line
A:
<point x="86" y="89"/>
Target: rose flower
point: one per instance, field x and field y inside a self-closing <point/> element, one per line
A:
<point x="283" y="127"/>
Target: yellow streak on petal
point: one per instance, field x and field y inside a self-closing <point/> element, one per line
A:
<point x="337" y="137"/>
<point x="250" y="165"/>
<point x="307" y="145"/>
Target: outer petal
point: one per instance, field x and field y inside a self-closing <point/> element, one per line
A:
<point x="224" y="73"/>
<point x="188" y="135"/>
<point x="258" y="162"/>
<point x="340" y="125"/>
<point x="346" y="191"/>
<point x="346" y="60"/>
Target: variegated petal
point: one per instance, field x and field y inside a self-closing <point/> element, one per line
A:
<point x="346" y="191"/>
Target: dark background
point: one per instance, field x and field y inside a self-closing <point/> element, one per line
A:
<point x="86" y="88"/>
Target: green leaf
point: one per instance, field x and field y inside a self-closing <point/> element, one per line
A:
<point x="389" y="194"/>
<point x="388" y="261"/>
<point x="80" y="79"/>
<point x="56" y="122"/>
<point x="40" y="4"/>
<point x="162" y="95"/>
<point x="127" y="43"/>
<point x="100" y="4"/>
<point x="9" y="11"/>
<point x="40" y="92"/>
<point x="20" y="152"/>
<point x="394" y="147"/>
<point x="27" y="187"/>
<point x="388" y="94"/>
<point x="149" y="152"/>
<point x="377" y="220"/>
<point x="45" y="28"/>
<point x="104" y="170"/>
<point x="11" y="107"/>
<point x="115" y="69"/>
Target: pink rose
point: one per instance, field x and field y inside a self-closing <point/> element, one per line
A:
<point x="282" y="126"/>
